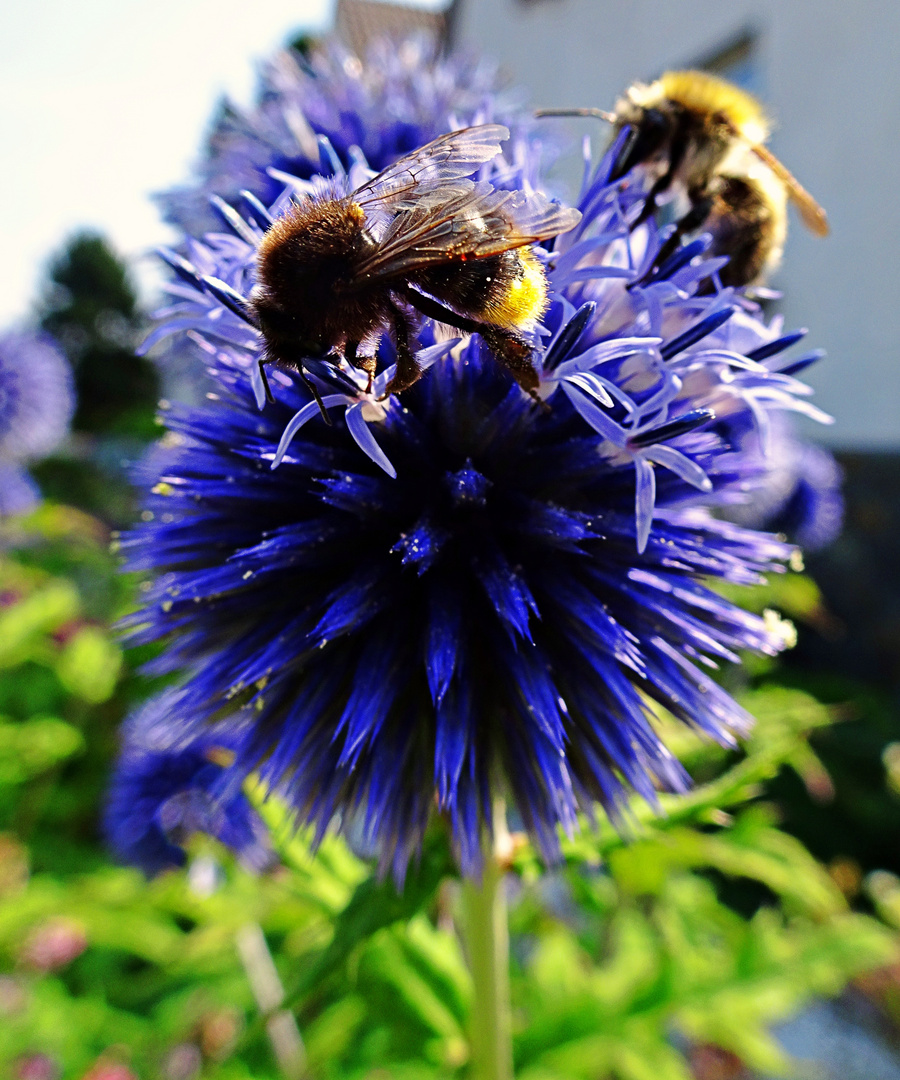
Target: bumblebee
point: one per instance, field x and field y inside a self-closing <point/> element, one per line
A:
<point x="703" y="137"/>
<point x="336" y="271"/>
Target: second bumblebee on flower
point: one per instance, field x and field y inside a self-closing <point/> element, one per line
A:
<point x="703" y="137"/>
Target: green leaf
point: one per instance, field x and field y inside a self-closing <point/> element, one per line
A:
<point x="883" y="888"/>
<point x="785" y="718"/>
<point x="650" y="1059"/>
<point x="329" y="873"/>
<point x="89" y="665"/>
<point x="375" y="904"/>
<point x="634" y="964"/>
<point x="578" y="1059"/>
<point x="385" y="956"/>
<point x="25" y="624"/>
<point x="328" y="1037"/>
<point x="115" y="923"/>
<point x="72" y="1029"/>
<point x="437" y="952"/>
<point x="751" y="848"/>
<point x="34" y="746"/>
<point x="797" y="595"/>
<point x="558" y="965"/>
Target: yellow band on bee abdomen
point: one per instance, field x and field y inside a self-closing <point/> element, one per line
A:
<point x="524" y="298"/>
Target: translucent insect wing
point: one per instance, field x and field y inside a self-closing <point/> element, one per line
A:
<point x="813" y="215"/>
<point x="468" y="224"/>
<point x="447" y="158"/>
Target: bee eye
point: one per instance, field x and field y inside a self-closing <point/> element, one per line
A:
<point x="644" y="141"/>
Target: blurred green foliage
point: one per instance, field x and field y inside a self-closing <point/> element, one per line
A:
<point x="64" y="685"/>
<point x="847" y="806"/>
<point x="674" y="958"/>
<point x="706" y="924"/>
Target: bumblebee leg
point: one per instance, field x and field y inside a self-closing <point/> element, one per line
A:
<point x="265" y="379"/>
<point x="649" y="206"/>
<point x="744" y="228"/>
<point x="676" y="156"/>
<point x="514" y="353"/>
<point x="363" y="363"/>
<point x="408" y="371"/>
<point x="693" y="219"/>
<point x="434" y="310"/>
<point x="311" y="387"/>
<point x="509" y="348"/>
<point x="291" y="357"/>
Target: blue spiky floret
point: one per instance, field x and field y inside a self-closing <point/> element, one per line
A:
<point x="37" y="400"/>
<point x="331" y="108"/>
<point x="801" y="496"/>
<point x="459" y="593"/>
<point x="170" y="783"/>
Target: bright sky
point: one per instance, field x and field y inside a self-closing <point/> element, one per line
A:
<point x="105" y="101"/>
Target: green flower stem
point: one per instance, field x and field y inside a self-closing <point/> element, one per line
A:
<point x="281" y="1025"/>
<point x="485" y="936"/>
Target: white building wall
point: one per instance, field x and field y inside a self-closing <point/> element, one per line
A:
<point x="828" y="71"/>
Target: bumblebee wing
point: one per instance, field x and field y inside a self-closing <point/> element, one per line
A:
<point x="814" y="217"/>
<point x="463" y="220"/>
<point x="445" y="159"/>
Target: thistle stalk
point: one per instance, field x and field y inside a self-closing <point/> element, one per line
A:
<point x="485" y="935"/>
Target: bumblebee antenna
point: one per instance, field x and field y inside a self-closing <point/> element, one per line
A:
<point x="311" y="387"/>
<point x="601" y="114"/>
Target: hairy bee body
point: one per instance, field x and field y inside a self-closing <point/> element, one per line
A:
<point x="706" y="137"/>
<point x="306" y="298"/>
<point x="505" y="290"/>
<point x="748" y="223"/>
<point x="335" y="273"/>
<point x="703" y="138"/>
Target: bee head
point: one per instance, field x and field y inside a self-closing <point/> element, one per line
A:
<point x="650" y="130"/>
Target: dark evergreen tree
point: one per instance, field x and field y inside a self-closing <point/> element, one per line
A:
<point x="91" y="308"/>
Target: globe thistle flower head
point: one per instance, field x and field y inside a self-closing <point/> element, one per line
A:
<point x="318" y="114"/>
<point x="801" y="496"/>
<point x="36" y="405"/>
<point x="170" y="783"/>
<point x="812" y="514"/>
<point x="455" y="593"/>
<point x="18" y="492"/>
